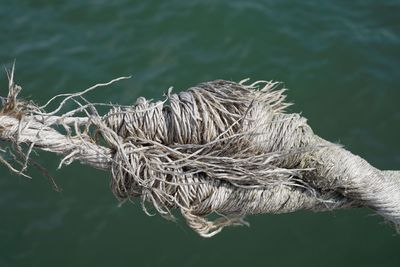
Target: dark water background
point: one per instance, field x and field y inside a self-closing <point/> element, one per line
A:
<point x="339" y="59"/>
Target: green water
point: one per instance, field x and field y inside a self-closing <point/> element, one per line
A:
<point x="339" y="59"/>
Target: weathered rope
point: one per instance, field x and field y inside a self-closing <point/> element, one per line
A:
<point x="220" y="147"/>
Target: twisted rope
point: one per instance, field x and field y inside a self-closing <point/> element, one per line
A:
<point x="220" y="148"/>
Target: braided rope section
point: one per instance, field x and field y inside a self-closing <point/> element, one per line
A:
<point x="220" y="148"/>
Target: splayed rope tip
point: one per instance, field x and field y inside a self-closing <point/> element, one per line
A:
<point x="220" y="148"/>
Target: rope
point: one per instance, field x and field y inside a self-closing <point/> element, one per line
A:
<point x="219" y="148"/>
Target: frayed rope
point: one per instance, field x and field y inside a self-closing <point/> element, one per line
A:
<point x="220" y="147"/>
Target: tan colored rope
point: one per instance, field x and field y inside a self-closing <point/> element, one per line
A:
<point x="220" y="148"/>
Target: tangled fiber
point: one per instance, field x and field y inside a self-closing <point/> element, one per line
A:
<point x="221" y="148"/>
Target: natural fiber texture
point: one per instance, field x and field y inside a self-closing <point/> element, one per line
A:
<point x="220" y="147"/>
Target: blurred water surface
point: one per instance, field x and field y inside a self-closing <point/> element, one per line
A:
<point x="339" y="59"/>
